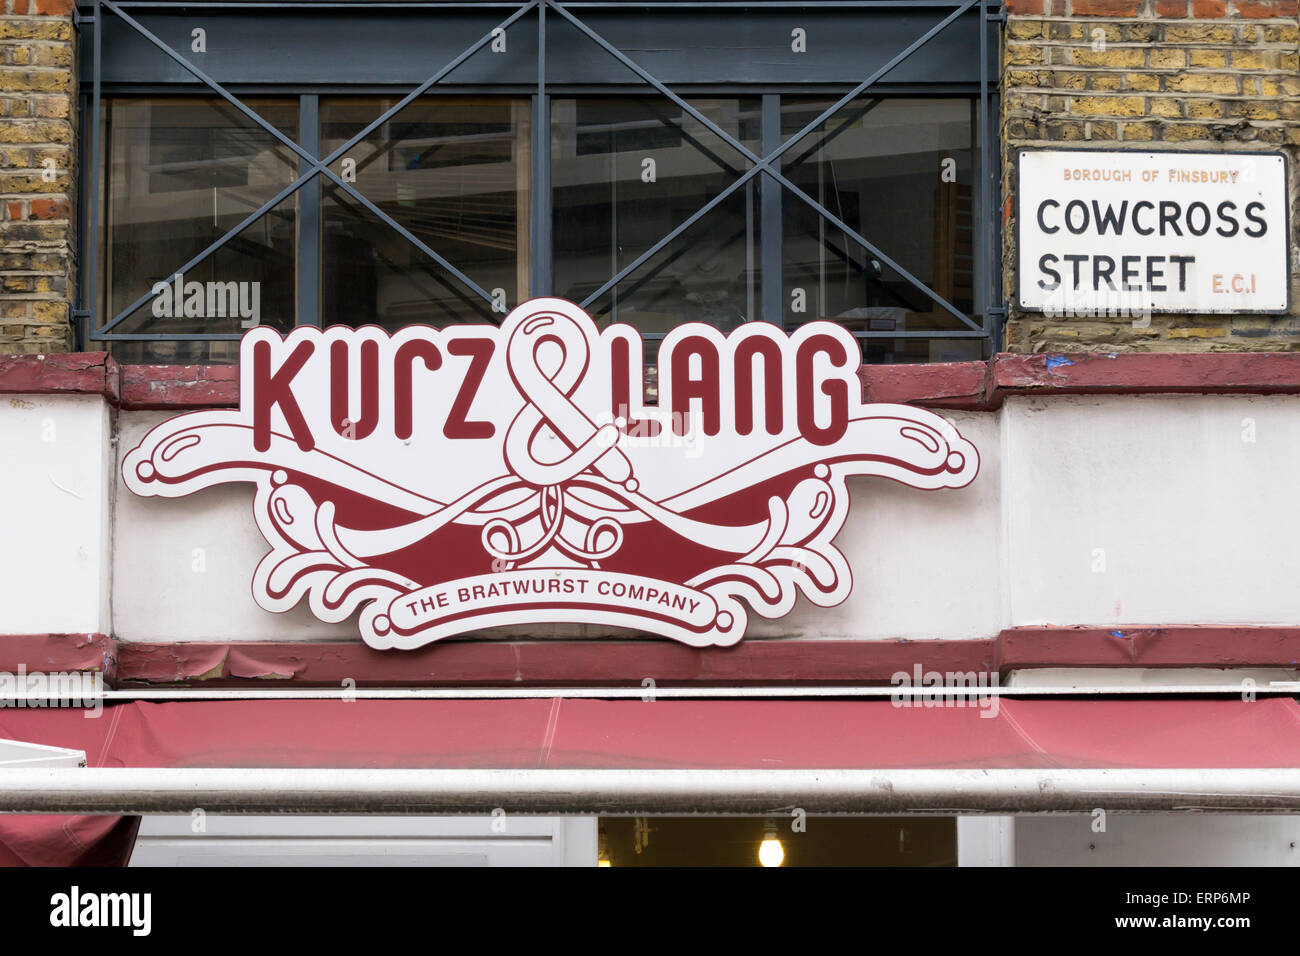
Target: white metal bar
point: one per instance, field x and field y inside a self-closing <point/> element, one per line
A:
<point x="920" y="696"/>
<point x="113" y="790"/>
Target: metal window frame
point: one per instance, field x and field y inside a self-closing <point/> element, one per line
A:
<point x="764" y="168"/>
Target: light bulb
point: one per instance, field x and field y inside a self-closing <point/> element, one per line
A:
<point x="770" y="851"/>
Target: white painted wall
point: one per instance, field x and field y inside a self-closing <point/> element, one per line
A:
<point x="365" y="841"/>
<point x="986" y="841"/>
<point x="54" y="481"/>
<point x="186" y="565"/>
<point x="1088" y="510"/>
<point x="1195" y="524"/>
<point x="1164" y="839"/>
<point x="900" y="542"/>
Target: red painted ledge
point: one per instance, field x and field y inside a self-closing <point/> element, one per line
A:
<point x="977" y="386"/>
<point x="629" y="662"/>
<point x="545" y="663"/>
<point x="59" y="653"/>
<point x="180" y="387"/>
<point x="78" y="373"/>
<point x="1175" y="646"/>
<point x="1099" y="373"/>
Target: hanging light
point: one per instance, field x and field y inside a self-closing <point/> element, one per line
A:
<point x="770" y="851"/>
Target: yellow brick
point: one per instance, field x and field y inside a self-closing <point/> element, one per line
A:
<point x="35" y="132"/>
<point x="1176" y="33"/>
<point x="1070" y="81"/>
<point x="22" y="56"/>
<point x="1281" y="34"/>
<point x="32" y="182"/>
<point x="1021" y="78"/>
<point x="35" y="80"/>
<point x="1020" y="100"/>
<point x="1022" y="29"/>
<point x="1184" y="132"/>
<point x="54" y="55"/>
<point x="1204" y="109"/>
<point x="1143" y="82"/>
<point x="46" y="28"/>
<point x="1021" y="55"/>
<point x="1108" y="105"/>
<point x="1288" y="86"/>
<point x="50" y="311"/>
<point x="1107" y="81"/>
<point x="1166" y="59"/>
<point x="1111" y="56"/>
<point x="1244" y="60"/>
<point x="1138" y="131"/>
<point x="1212" y="58"/>
<point x="60" y="155"/>
<point x="1211" y="333"/>
<point x="54" y="107"/>
<point x="1065" y="31"/>
<point x="1202" y="83"/>
<point x="1259" y="111"/>
<point x="1068" y="130"/>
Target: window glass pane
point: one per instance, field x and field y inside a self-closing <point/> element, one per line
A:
<point x="899" y="173"/>
<point x="454" y="172"/>
<point x="179" y="174"/>
<point x="625" y="173"/>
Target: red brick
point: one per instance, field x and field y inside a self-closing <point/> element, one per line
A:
<point x="1171" y="8"/>
<point x="49" y="209"/>
<point x="1259" y="9"/>
<point x="1106" y="8"/>
<point x="15" y="209"/>
<point x="52" y="7"/>
<point x="1030" y="7"/>
<point x="1209" y="9"/>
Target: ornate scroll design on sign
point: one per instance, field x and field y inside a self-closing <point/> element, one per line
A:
<point x="440" y="482"/>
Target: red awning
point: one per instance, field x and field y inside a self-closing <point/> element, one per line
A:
<point x="670" y="734"/>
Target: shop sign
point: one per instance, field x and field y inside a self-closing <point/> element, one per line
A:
<point x="1131" y="233"/>
<point x="445" y="481"/>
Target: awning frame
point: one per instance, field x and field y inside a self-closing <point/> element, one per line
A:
<point x="647" y="792"/>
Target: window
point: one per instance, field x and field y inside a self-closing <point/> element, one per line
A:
<point x="436" y="163"/>
<point x="455" y="172"/>
<point x="180" y="174"/>
<point x="624" y="172"/>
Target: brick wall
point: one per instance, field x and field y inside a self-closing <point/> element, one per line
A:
<point x="1171" y="74"/>
<point x="37" y="158"/>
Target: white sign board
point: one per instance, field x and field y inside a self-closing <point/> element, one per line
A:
<point x="1107" y="233"/>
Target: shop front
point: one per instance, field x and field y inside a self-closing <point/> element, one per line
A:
<point x="577" y="433"/>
